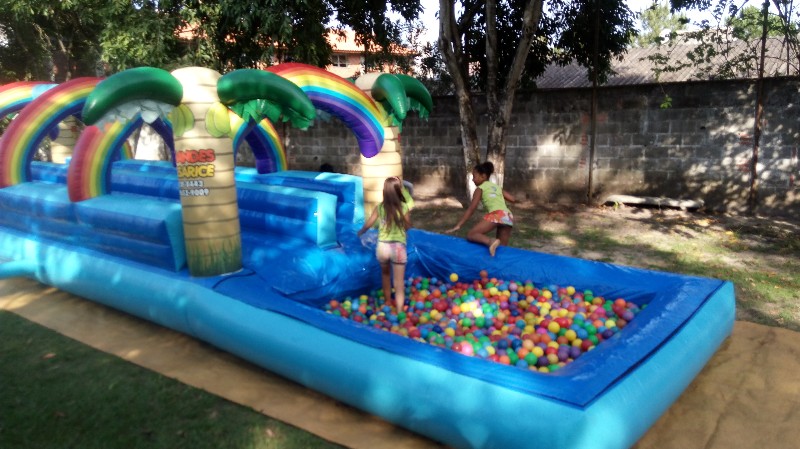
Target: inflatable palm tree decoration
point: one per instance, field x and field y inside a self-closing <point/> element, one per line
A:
<point x="206" y="155"/>
<point x="398" y="95"/>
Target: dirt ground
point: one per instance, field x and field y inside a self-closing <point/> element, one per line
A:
<point x="658" y="227"/>
<point x="760" y="254"/>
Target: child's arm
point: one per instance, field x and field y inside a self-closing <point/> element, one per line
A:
<point x="370" y="221"/>
<point x="407" y="220"/>
<point x="476" y="199"/>
<point x="509" y="197"/>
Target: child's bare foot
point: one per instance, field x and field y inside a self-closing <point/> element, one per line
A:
<point x="493" y="247"/>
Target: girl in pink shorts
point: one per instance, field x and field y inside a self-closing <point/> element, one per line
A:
<point x="395" y="220"/>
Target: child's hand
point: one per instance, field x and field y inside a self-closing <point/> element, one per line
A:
<point x="453" y="229"/>
<point x="368" y="240"/>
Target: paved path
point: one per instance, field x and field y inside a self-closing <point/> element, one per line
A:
<point x="748" y="395"/>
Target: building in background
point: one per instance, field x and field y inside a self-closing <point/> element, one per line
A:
<point x="347" y="59"/>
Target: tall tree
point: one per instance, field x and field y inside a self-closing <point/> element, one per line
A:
<point x="504" y="45"/>
<point x="84" y="37"/>
<point x="658" y="23"/>
<point x="49" y="40"/>
<point x="70" y="38"/>
<point x="748" y="23"/>
<point x="246" y="33"/>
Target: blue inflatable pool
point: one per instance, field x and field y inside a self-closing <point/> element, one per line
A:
<point x="270" y="313"/>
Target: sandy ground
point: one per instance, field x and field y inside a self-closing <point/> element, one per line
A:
<point x="747" y="395"/>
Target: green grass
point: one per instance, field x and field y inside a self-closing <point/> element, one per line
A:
<point x="58" y="393"/>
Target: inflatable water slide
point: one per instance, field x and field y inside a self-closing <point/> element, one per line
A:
<point x="520" y="350"/>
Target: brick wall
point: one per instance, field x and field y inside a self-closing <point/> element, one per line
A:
<point x="698" y="148"/>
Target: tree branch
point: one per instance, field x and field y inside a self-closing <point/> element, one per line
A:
<point x="491" y="57"/>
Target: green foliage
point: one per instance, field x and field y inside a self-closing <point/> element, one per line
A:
<point x="575" y="23"/>
<point x="733" y="50"/>
<point x="49" y="40"/>
<point x="655" y="21"/>
<point x="97" y="37"/>
<point x="565" y="33"/>
<point x="246" y="33"/>
<point x="748" y="23"/>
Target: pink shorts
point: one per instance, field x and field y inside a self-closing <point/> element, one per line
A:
<point x="500" y="217"/>
<point x="394" y="252"/>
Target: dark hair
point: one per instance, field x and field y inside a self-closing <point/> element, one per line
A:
<point x="486" y="168"/>
<point x="393" y="200"/>
<point x="326" y="168"/>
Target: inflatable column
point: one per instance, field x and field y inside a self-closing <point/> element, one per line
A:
<point x="61" y="147"/>
<point x="207" y="186"/>
<point x="383" y="165"/>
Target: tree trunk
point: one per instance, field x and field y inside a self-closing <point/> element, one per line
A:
<point x="453" y="55"/>
<point x="752" y="199"/>
<point x="501" y="106"/>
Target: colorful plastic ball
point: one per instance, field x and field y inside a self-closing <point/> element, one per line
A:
<point x="453" y="277"/>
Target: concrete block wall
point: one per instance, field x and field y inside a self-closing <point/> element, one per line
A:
<point x="697" y="148"/>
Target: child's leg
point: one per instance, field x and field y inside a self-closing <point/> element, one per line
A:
<point x="478" y="232"/>
<point x="386" y="282"/>
<point x="504" y="234"/>
<point x="399" y="272"/>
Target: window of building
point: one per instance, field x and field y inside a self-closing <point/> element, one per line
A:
<point x="339" y="60"/>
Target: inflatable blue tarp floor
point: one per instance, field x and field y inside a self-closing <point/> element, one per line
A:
<point x="271" y="313"/>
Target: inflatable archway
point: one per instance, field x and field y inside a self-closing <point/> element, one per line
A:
<point x="113" y="110"/>
<point x="256" y="100"/>
<point x="23" y="136"/>
<point x="17" y="95"/>
<point x="340" y="98"/>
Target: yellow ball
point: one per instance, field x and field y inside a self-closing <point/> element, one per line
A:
<point x="453" y="277"/>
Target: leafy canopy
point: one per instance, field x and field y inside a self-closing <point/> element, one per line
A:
<point x="564" y="34"/>
<point x="42" y="39"/>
